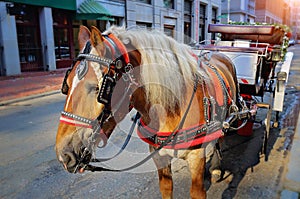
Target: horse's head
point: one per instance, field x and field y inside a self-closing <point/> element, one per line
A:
<point x="87" y="120"/>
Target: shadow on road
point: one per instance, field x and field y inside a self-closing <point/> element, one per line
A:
<point x="241" y="153"/>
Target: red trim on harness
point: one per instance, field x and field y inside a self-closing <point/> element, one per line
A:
<point x="121" y="47"/>
<point x="159" y="133"/>
<point x="110" y="46"/>
<point x="194" y="55"/>
<point x="218" y="86"/>
<point x="198" y="140"/>
<point x="73" y="122"/>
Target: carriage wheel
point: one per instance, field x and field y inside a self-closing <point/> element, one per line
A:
<point x="276" y="122"/>
<point x="267" y="123"/>
<point x="267" y="132"/>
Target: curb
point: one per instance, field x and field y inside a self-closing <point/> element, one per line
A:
<point x="291" y="180"/>
<point x="7" y="102"/>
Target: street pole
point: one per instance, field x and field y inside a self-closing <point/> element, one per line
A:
<point x="228" y="9"/>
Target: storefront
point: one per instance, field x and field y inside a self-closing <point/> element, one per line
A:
<point x="42" y="34"/>
<point x="28" y="34"/>
<point x="63" y="38"/>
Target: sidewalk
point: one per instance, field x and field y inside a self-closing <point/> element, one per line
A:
<point x="291" y="180"/>
<point x="291" y="177"/>
<point x="29" y="84"/>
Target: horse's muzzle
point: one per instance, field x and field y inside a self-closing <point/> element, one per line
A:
<point x="74" y="163"/>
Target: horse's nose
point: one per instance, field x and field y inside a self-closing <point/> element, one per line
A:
<point x="69" y="161"/>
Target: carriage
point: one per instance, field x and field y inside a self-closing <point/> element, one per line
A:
<point x="259" y="53"/>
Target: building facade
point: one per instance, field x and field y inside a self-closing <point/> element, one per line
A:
<point x="270" y="11"/>
<point x="295" y="19"/>
<point x="238" y="11"/>
<point x="42" y="34"/>
<point x="187" y="21"/>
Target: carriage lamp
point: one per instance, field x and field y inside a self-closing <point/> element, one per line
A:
<point x="276" y="53"/>
<point x="281" y="79"/>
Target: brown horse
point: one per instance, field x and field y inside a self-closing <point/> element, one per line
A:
<point x="182" y="99"/>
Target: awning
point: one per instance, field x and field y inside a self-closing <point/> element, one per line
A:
<point x="223" y="16"/>
<point x="62" y="4"/>
<point x="91" y="9"/>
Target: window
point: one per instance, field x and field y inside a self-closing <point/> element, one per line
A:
<point x="145" y="1"/>
<point x="214" y="16"/>
<point x="202" y="13"/>
<point x="169" y="30"/>
<point x="63" y="38"/>
<point x="144" y="25"/>
<point x="61" y="35"/>
<point x="187" y="21"/>
<point x="28" y="34"/>
<point x="187" y="7"/>
<point x="169" y="4"/>
<point x="187" y="33"/>
<point x="62" y="49"/>
<point x="213" y="21"/>
<point x="202" y="22"/>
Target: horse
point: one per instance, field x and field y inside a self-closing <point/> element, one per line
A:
<point x="181" y="99"/>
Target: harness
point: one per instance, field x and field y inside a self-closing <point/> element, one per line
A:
<point x="180" y="138"/>
<point x="215" y="110"/>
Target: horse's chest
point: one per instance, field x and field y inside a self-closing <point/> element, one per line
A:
<point x="174" y="153"/>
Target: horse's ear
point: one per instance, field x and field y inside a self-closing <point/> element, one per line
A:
<point x="97" y="40"/>
<point x="83" y="36"/>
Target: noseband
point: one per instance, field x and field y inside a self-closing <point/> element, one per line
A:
<point x="119" y="67"/>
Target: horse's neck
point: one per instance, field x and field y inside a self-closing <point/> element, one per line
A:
<point x="156" y="117"/>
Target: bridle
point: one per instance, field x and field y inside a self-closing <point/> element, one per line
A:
<point x="117" y="68"/>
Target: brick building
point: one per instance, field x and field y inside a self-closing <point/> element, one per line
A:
<point x="295" y="18"/>
<point x="270" y="11"/>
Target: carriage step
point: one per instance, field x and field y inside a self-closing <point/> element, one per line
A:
<point x="263" y="105"/>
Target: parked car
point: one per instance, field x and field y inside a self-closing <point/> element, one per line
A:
<point x="292" y="42"/>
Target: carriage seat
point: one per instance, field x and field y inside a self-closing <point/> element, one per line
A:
<point x="241" y="30"/>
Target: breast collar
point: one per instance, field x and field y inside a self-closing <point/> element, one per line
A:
<point x="188" y="138"/>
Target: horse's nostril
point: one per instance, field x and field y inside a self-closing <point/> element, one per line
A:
<point x="68" y="159"/>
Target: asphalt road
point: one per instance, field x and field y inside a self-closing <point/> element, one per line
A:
<point x="29" y="169"/>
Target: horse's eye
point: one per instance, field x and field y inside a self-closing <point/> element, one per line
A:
<point x="95" y="89"/>
<point x="92" y="88"/>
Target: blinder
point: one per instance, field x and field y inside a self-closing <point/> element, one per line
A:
<point x="107" y="86"/>
<point x="106" y="89"/>
<point x="81" y="69"/>
<point x="65" y="87"/>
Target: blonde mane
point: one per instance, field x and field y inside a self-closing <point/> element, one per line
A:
<point x="168" y="68"/>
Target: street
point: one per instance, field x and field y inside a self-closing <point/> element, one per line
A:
<point x="29" y="168"/>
